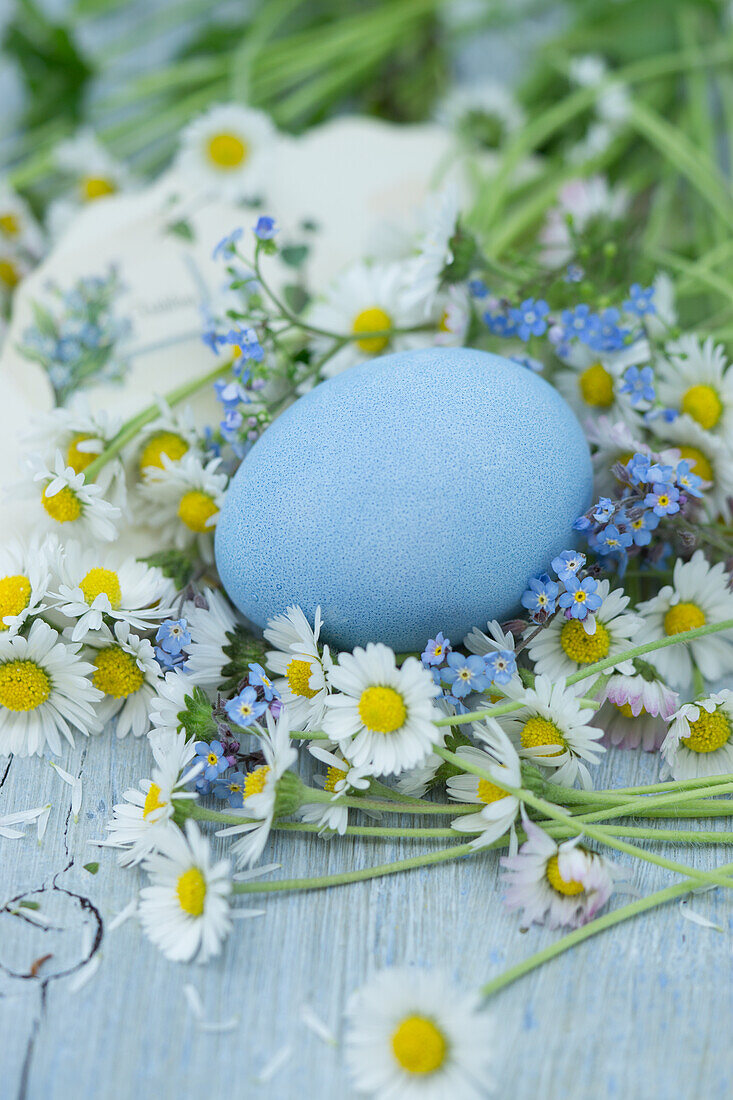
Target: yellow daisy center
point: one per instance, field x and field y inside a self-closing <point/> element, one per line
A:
<point x="15" y="594"/>
<point x="152" y="800"/>
<point x="709" y="733"/>
<point x="382" y="709"/>
<point x="703" y="405"/>
<point x="117" y="673"/>
<point x="9" y="225"/>
<point x="700" y="463"/>
<point x="96" y="187"/>
<point x="191" y="890"/>
<point x="683" y="616"/>
<point x="170" y="444"/>
<point x="79" y="460"/>
<point x="196" y="509"/>
<point x="625" y="709"/>
<point x="254" y="782"/>
<point x="372" y="320"/>
<point x="101" y="581"/>
<point x="298" y="674"/>
<point x="444" y="324"/>
<point x="489" y="792"/>
<point x="569" y="887"/>
<point x="419" y="1046"/>
<point x="581" y="647"/>
<point x="24" y="685"/>
<point x="64" y="506"/>
<point x="9" y="274"/>
<point x="596" y="386"/>
<point x="333" y="776"/>
<point x="541" y="731"/>
<point x="227" y="151"/>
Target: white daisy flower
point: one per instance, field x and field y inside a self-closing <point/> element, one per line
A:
<point x="558" y="885"/>
<point x="70" y="503"/>
<point x="699" y="594"/>
<point x="661" y="321"/>
<point x="261" y="790"/>
<point x="563" y="646"/>
<point x="147" y="811"/>
<point x="226" y="152"/>
<point x="584" y="200"/>
<point x="24" y="582"/>
<point x="166" y="707"/>
<point x="417" y="781"/>
<point x="45" y="692"/>
<point x="367" y="301"/>
<point x="185" y="909"/>
<point x="18" y="226"/>
<point x="126" y="671"/>
<point x="382" y="716"/>
<point x="699" y="740"/>
<point x="693" y="377"/>
<point x="485" y="111"/>
<point x="14" y="266"/>
<point x="80" y="435"/>
<point x="300" y="666"/>
<point x="553" y="730"/>
<point x="94" y="584"/>
<point x="411" y="1034"/>
<point x="173" y="434"/>
<point x="590" y="380"/>
<point x="497" y="639"/>
<point x="614" y="441"/>
<point x="438" y="220"/>
<point x="454" y="308"/>
<point x="209" y="627"/>
<point x="637" y="710"/>
<point x="183" y="500"/>
<point x="340" y="779"/>
<point x="710" y="457"/>
<point x="498" y="809"/>
<point x="95" y="171"/>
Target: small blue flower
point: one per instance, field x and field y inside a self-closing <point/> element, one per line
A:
<point x="230" y="394"/>
<point x="168" y="662"/>
<point x="577" y="322"/>
<point x="661" y="475"/>
<point x="638" y="467"/>
<point x="540" y="595"/>
<point x="266" y="228"/>
<point x="501" y="665"/>
<point x="172" y="635"/>
<point x="568" y="564"/>
<point x="528" y="362"/>
<point x="574" y="274"/>
<point x="231" y="789"/>
<point x="688" y="482"/>
<point x="246" y="341"/>
<point x="477" y="288"/>
<point x="580" y="597"/>
<point x="244" y="709"/>
<point x="212" y="753"/>
<point x="582" y="523"/>
<point x="203" y="785"/>
<point x="639" y="384"/>
<point x="641" y="528"/>
<point x="605" y="333"/>
<point x="529" y="317"/>
<point x="641" y="300"/>
<point x="603" y="510"/>
<point x="259" y="678"/>
<point x="227" y="245"/>
<point x="611" y="540"/>
<point x="663" y="500"/>
<point x="436" y="650"/>
<point x="499" y="324"/>
<point x="465" y="674"/>
<point x="230" y="424"/>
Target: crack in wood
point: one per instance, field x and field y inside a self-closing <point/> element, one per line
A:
<point x="7" y="771"/>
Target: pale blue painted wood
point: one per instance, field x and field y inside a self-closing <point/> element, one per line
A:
<point x="644" y="1011"/>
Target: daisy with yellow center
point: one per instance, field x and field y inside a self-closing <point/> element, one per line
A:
<point x="182" y="499"/>
<point x="25" y="572"/>
<point x="226" y="151"/>
<point x="498" y="808"/>
<point x="694" y="377"/>
<point x="700" y="738"/>
<point x="95" y="173"/>
<point x="553" y="730"/>
<point x="18" y="225"/>
<point x="699" y="594"/>
<point x="589" y="380"/>
<point x="299" y="666"/>
<point x="557" y="885"/>
<point x="412" y="1033"/>
<point x="340" y="779"/>
<point x="564" y="646"/>
<point x="80" y="435"/>
<point x="147" y="811"/>
<point x="382" y="716"/>
<point x="73" y="506"/>
<point x="637" y="710"/>
<point x="45" y="692"/>
<point x="185" y="908"/>
<point x="709" y="457"/>
<point x="126" y="672"/>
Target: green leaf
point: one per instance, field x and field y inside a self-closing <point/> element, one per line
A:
<point x="92" y="868"/>
<point x="294" y="254"/>
<point x="175" y="564"/>
<point x="182" y="229"/>
<point x="296" y="297"/>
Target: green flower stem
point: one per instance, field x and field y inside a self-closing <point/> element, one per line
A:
<point x="670" y="801"/>
<point x="370" y="831"/>
<point x="441" y="856"/>
<point x="315" y="794"/>
<point x="597" y="667"/>
<point x="600" y="924"/>
<point x="131" y="427"/>
<point x="672" y="785"/>
<point x="582" y="826"/>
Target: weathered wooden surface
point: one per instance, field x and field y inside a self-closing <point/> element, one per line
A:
<point x="643" y="1011"/>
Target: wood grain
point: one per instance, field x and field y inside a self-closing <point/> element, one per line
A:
<point x="643" y="1011"/>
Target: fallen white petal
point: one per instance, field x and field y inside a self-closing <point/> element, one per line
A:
<point x="274" y="1065"/>
<point x="255" y="872"/>
<point x="224" y="1025"/>
<point x="696" y="918"/>
<point x="43" y="822"/>
<point x="10" y="834"/>
<point x="64" y="775"/>
<point x="316" y="1025"/>
<point x="76" y="798"/>
<point x="245" y="914"/>
<point x="85" y="975"/>
<point x="194" y="1000"/>
<point x="123" y="915"/>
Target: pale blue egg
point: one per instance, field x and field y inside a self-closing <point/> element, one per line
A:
<point x="414" y="493"/>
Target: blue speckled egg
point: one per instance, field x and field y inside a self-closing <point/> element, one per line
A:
<point x="414" y="493"/>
